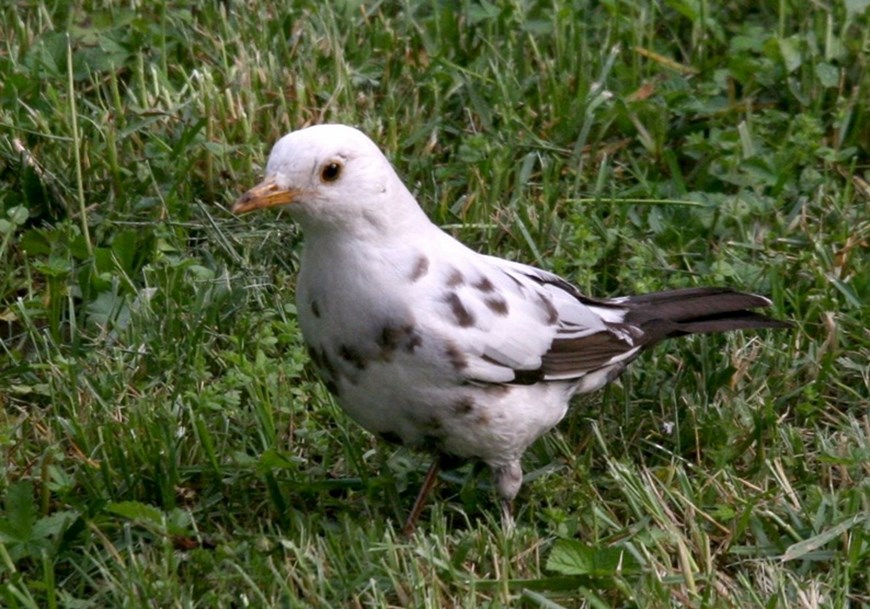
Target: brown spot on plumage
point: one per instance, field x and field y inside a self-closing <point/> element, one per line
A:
<point x="421" y="267"/>
<point x="497" y="305"/>
<point x="315" y="309"/>
<point x="484" y="285"/>
<point x="393" y="337"/>
<point x="325" y="368"/>
<point x="455" y="278"/>
<point x="352" y="356"/>
<point x="456" y="357"/>
<point x="389" y="338"/>
<point x="550" y="312"/>
<point x="414" y="341"/>
<point x="321" y="360"/>
<point x="463" y="406"/>
<point x="463" y="316"/>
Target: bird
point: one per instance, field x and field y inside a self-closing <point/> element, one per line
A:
<point x="427" y="343"/>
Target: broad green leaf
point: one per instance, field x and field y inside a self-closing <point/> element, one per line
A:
<point x="109" y="307"/>
<point x="53" y="524"/>
<point x="572" y="557"/>
<point x="135" y="510"/>
<point x="20" y="510"/>
<point x="18" y="215"/>
<point x="827" y="74"/>
<point x="789" y="48"/>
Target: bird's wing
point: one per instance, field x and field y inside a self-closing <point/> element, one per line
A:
<point x="513" y="323"/>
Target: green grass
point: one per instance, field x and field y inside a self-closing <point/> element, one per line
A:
<point x="166" y="445"/>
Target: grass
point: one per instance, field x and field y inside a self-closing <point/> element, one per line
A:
<point x="165" y="443"/>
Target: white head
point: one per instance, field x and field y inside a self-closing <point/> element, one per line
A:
<point x="333" y="178"/>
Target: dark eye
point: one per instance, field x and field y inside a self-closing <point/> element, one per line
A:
<point x="330" y="172"/>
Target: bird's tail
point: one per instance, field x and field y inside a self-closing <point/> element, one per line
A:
<point x="697" y="310"/>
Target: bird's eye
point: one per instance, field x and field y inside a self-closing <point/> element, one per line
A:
<point x="330" y="172"/>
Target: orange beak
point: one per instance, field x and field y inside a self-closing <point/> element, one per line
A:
<point x="265" y="194"/>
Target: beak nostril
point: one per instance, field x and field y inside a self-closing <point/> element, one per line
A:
<point x="265" y="194"/>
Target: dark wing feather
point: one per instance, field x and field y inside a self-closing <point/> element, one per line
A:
<point x="697" y="310"/>
<point x="645" y="320"/>
<point x="576" y="356"/>
<point x="590" y="340"/>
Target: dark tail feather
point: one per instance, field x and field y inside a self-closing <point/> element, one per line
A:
<point x="698" y="310"/>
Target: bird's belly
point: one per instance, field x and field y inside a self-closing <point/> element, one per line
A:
<point x="495" y="423"/>
<point x="404" y="381"/>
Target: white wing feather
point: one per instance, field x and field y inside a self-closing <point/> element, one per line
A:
<point x="505" y="318"/>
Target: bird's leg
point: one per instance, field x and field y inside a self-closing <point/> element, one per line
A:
<point x="507" y="516"/>
<point x="420" y="502"/>
<point x="508" y="478"/>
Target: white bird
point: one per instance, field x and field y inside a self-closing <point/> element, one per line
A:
<point x="430" y="344"/>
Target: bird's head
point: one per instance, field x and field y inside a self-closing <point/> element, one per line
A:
<point x="331" y="177"/>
